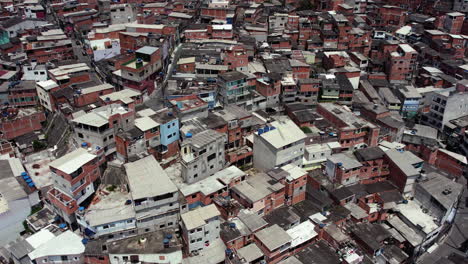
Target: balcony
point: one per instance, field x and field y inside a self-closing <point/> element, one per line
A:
<point x="62" y="201"/>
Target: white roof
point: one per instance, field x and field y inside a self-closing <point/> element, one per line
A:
<point x="47" y="85"/>
<point x="91" y="119"/>
<point x="273" y="237"/>
<point x="111" y="208"/>
<point x="302" y="233"/>
<point x="405" y="30"/>
<point x="65" y="244"/>
<point x="39" y="238"/>
<point x="198" y="217"/>
<point x="146" y="112"/>
<point x="122" y="95"/>
<point x="152" y="26"/>
<point x="286" y="132"/>
<point x="71" y="68"/>
<point x="412" y="212"/>
<point x="97" y="88"/>
<point x="145" y="123"/>
<point x="146" y="178"/>
<point x="186" y="60"/>
<point x="454" y="155"/>
<point x="72" y="161"/>
<point x="294" y="171"/>
<point x="407" y="48"/>
<point x="222" y="27"/>
<point x="250" y="252"/>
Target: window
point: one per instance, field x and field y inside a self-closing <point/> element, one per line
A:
<point x="105" y="226"/>
<point x="211" y="157"/>
<point x="195" y="175"/>
<point x="64" y="258"/>
<point x="129" y="221"/>
<point x="80" y="135"/>
<point x="125" y="258"/>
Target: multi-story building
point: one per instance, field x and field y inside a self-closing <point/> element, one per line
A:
<point x="274" y="243"/>
<point x="53" y="250"/>
<point x="400" y="64"/>
<point x="405" y="168"/>
<point x="200" y="227"/>
<point x="278" y="144"/>
<point x="294" y="179"/>
<point x="353" y="131"/>
<point x="410" y="99"/>
<point x="155" y="197"/>
<point x="438" y="195"/>
<point x="202" y="155"/>
<point x="188" y="107"/>
<point x="140" y="72"/>
<point x="44" y="90"/>
<point x="453" y="22"/>
<point x="74" y="177"/>
<point x="233" y="88"/>
<point x="22" y="93"/>
<point x="389" y="99"/>
<point x="98" y="127"/>
<point x="260" y="193"/>
<point x="445" y="105"/>
<point x="343" y="169"/>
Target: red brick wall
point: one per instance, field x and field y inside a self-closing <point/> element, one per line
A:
<point x="21" y="126"/>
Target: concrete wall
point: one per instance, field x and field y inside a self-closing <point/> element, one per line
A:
<point x="207" y="233"/>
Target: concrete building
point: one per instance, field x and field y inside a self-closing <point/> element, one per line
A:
<point x="277" y="145"/>
<point x="200" y="227"/>
<point x="202" y="155"/>
<point x="315" y="155"/>
<point x="111" y="218"/>
<point x="410" y="99"/>
<point x="405" y="168"/>
<point x="123" y="13"/>
<point x="155" y="197"/>
<point x="74" y="176"/>
<point x="98" y="127"/>
<point x="152" y="247"/>
<point x="235" y="88"/>
<point x="15" y="205"/>
<point x="44" y="90"/>
<point x="438" y="195"/>
<point x="34" y="72"/>
<point x="66" y="247"/>
<point x="445" y="105"/>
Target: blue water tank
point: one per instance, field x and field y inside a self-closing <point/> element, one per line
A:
<point x="272" y="128"/>
<point x="63" y="225"/>
<point x="26" y="177"/>
<point x="166" y="241"/>
<point x="228" y="251"/>
<point x="84" y="144"/>
<point x="24" y="174"/>
<point x="81" y="208"/>
<point x="188" y="135"/>
<point x="169" y="236"/>
<point x="31" y="184"/>
<point x="339" y="164"/>
<point x="232" y="225"/>
<point x="260" y="131"/>
<point x="266" y="129"/>
<point x="84" y="241"/>
<point x="107" y="99"/>
<point x="28" y="180"/>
